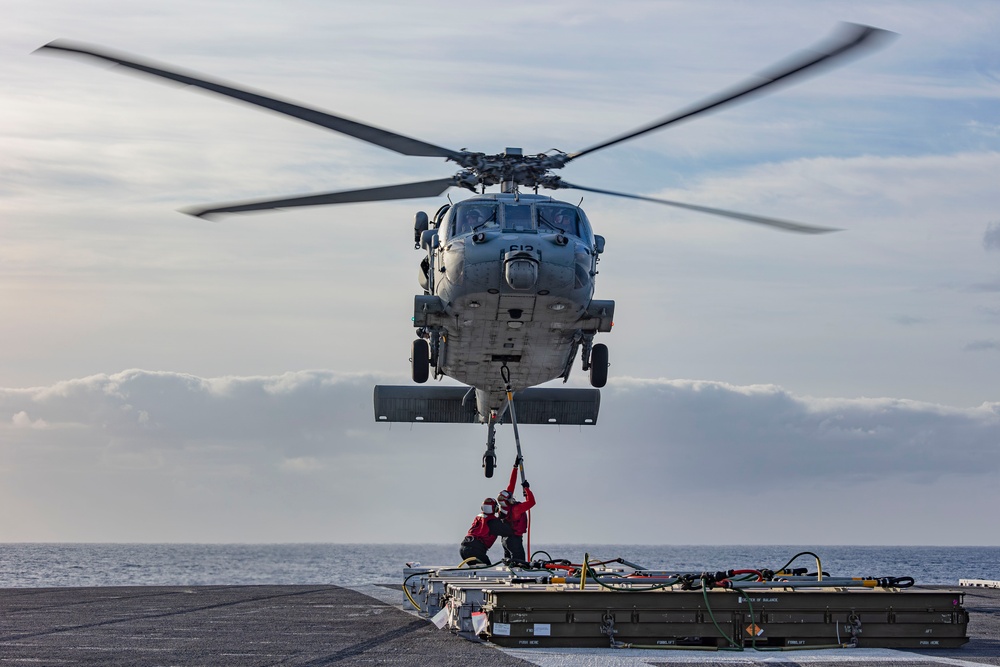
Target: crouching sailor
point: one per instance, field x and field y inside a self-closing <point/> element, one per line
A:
<point x="486" y="528"/>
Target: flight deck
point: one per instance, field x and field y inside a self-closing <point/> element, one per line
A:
<point x="331" y="625"/>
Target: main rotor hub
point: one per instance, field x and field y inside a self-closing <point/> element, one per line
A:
<point x="532" y="171"/>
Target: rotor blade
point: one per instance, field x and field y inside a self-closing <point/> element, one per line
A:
<point x="850" y="39"/>
<point x="786" y="225"/>
<point x="384" y="193"/>
<point x="373" y="135"/>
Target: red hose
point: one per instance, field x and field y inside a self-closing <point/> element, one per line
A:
<point x="528" y="514"/>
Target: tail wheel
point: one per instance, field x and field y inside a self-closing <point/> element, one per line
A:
<point x="420" y="358"/>
<point x="599" y="365"/>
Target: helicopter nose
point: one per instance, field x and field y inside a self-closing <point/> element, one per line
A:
<point x="520" y="269"/>
<point x="521" y="274"/>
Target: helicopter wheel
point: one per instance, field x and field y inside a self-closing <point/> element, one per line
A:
<point x="420" y="359"/>
<point x="599" y="365"/>
<point x="489" y="463"/>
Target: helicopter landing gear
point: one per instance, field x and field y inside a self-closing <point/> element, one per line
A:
<point x="599" y="365"/>
<point x="420" y="358"/>
<point x="490" y="457"/>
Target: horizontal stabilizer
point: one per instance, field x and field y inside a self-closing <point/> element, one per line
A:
<point x="444" y="405"/>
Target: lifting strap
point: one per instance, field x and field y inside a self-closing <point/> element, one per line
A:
<point x="505" y="374"/>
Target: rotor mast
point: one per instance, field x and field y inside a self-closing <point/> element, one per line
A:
<point x="509" y="183"/>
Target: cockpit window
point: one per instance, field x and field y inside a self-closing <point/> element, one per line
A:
<point x="562" y="219"/>
<point x="517" y="217"/>
<point x="473" y="216"/>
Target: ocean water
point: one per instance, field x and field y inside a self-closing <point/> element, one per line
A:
<point x="41" y="565"/>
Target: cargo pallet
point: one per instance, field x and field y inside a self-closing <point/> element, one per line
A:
<point x="513" y="608"/>
<point x="781" y="618"/>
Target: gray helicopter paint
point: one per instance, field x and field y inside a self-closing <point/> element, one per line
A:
<point x="449" y="405"/>
<point x="518" y="297"/>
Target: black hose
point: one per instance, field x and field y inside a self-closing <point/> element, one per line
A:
<point x="792" y="560"/>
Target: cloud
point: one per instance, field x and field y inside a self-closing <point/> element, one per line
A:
<point x="859" y="188"/>
<point x="302" y="464"/>
<point x="981" y="345"/>
<point x="991" y="237"/>
<point x="988" y="286"/>
<point x="305" y="417"/>
<point x="991" y="130"/>
<point x="158" y="456"/>
<point x="168" y="410"/>
<point x="22" y="420"/>
<point x="763" y="430"/>
<point x="989" y="314"/>
<point x="908" y="320"/>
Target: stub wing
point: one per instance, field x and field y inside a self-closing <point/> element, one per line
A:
<point x="457" y="405"/>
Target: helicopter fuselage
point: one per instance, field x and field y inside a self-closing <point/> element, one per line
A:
<point x="508" y="281"/>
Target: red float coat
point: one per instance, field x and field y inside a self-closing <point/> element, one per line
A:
<point x="487" y="529"/>
<point x="517" y="515"/>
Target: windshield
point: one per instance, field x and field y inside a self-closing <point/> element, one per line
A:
<point x="562" y="219"/>
<point x="473" y="216"/>
<point x="517" y="218"/>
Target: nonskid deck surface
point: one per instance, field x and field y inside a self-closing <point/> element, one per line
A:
<point x="222" y="626"/>
<point x="330" y="625"/>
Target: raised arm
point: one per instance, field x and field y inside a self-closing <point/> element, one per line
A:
<point x="529" y="499"/>
<point x="513" y="479"/>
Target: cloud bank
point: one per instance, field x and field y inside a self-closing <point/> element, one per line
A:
<point x="159" y="456"/>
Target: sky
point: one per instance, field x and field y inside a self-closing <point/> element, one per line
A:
<point x="168" y="379"/>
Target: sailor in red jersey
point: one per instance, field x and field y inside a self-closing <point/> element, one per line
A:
<point x="486" y="527"/>
<point x="515" y="514"/>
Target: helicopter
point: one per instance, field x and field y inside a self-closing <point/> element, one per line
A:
<point x="508" y="277"/>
